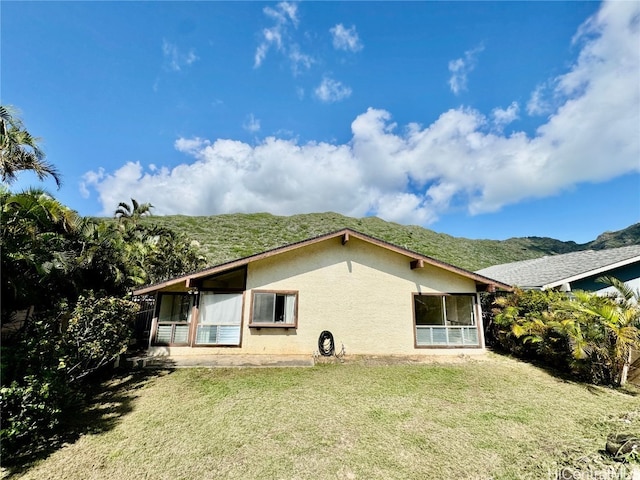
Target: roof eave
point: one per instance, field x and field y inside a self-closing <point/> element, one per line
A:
<point x="479" y="279"/>
<point x="590" y="273"/>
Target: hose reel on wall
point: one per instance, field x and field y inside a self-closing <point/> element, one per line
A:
<point x="326" y="345"/>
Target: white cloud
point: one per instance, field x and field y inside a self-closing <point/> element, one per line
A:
<point x="252" y="124"/>
<point x="283" y="12"/>
<point x="330" y="91"/>
<point x="299" y="60"/>
<point x="175" y="59"/>
<point x="461" y="67"/>
<point x="345" y="38"/>
<point x="538" y="104"/>
<point x="90" y="178"/>
<point x="261" y="54"/>
<point x="278" y="36"/>
<point x="415" y="174"/>
<point x="502" y="117"/>
<point x="190" y="145"/>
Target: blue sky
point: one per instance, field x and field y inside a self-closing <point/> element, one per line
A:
<point x="479" y="119"/>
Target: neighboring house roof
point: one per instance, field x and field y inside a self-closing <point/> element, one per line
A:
<point x="416" y="259"/>
<point x="556" y="270"/>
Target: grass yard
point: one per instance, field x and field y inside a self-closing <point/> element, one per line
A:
<point x="479" y="419"/>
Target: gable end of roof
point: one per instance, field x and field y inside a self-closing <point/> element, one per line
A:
<point x="346" y="233"/>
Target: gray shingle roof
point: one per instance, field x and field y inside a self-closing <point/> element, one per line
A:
<point x="557" y="269"/>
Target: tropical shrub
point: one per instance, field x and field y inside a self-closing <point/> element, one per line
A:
<point x="34" y="391"/>
<point x="98" y="331"/>
<point x="31" y="413"/>
<point x="589" y="336"/>
<point x="519" y="326"/>
<point x="47" y="367"/>
<point x="36" y="254"/>
<point x="601" y="332"/>
<point x="52" y="259"/>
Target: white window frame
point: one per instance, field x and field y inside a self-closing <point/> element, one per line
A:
<point x="226" y="331"/>
<point x="445" y="334"/>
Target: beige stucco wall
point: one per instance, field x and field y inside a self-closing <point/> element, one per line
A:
<point x="360" y="292"/>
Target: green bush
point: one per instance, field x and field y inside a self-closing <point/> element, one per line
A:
<point x="584" y="334"/>
<point x="98" y="331"/>
<point x="47" y="368"/>
<point x="31" y="412"/>
<point x="518" y="326"/>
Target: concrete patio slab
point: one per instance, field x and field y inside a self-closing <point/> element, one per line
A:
<point x="225" y="361"/>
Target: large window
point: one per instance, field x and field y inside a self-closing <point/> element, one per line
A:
<point x="274" y="309"/>
<point x="174" y="318"/>
<point x="219" y="319"/>
<point x="445" y="320"/>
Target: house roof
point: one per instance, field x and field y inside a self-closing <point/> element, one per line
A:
<point x="555" y="270"/>
<point x="416" y="260"/>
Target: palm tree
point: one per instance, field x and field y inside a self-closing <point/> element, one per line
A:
<point x="629" y="302"/>
<point x="109" y="258"/>
<point x="603" y="329"/>
<point x="20" y="151"/>
<point x="133" y="213"/>
<point x="624" y="293"/>
<point x="35" y="253"/>
<point x="594" y="334"/>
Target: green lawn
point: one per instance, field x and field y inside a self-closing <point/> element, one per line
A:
<point x="477" y="419"/>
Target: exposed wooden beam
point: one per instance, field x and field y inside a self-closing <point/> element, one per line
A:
<point x="345" y="238"/>
<point x="418" y="263"/>
<point x="490" y="288"/>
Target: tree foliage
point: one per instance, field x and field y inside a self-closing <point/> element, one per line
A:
<point x="62" y="284"/>
<point x="50" y="253"/>
<point x="20" y="151"/>
<point x="44" y="369"/>
<point x="73" y="272"/>
<point x="97" y="332"/>
<point x="133" y="213"/>
<point x="589" y="335"/>
<point x="37" y="254"/>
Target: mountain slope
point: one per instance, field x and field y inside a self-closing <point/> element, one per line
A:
<point x="227" y="237"/>
<point x="621" y="238"/>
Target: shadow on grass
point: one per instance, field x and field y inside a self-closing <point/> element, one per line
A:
<point x="566" y="376"/>
<point x="107" y="401"/>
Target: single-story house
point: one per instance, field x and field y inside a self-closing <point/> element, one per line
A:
<point x="572" y="271"/>
<point x="375" y="298"/>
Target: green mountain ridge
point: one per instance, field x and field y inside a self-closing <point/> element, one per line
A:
<point x="231" y="236"/>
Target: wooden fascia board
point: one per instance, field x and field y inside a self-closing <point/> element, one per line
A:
<point x="159" y="286"/>
<point x="590" y="273"/>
